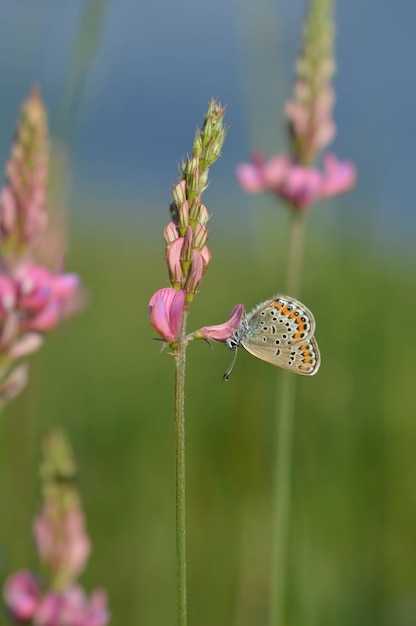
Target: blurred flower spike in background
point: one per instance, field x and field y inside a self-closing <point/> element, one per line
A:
<point x="310" y="125"/>
<point x="63" y="548"/>
<point x="33" y="298"/>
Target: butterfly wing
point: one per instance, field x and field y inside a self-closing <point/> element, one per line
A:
<point x="280" y="331"/>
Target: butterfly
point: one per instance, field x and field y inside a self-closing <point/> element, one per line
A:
<point x="279" y="331"/>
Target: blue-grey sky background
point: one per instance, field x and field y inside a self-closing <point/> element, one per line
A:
<point x="154" y="68"/>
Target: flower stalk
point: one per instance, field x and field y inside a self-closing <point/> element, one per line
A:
<point x="180" y="364"/>
<point x="300" y="180"/>
<point x="187" y="257"/>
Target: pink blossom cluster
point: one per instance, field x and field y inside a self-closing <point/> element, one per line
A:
<point x="186" y="236"/>
<point x="62" y="542"/>
<point x="27" y="601"/>
<point x="32" y="301"/>
<point x="63" y="546"/>
<point x="300" y="186"/>
<point x="165" y="310"/>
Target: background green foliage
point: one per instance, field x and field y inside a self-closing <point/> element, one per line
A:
<point x="105" y="380"/>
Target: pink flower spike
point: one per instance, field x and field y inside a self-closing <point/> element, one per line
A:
<point x="339" y="176"/>
<point x="222" y="332"/>
<point x="21" y="595"/>
<point x="165" y="310"/>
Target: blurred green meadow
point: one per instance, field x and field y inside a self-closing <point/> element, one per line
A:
<point x="104" y="379"/>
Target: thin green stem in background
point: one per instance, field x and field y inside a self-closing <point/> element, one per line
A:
<point x="282" y="477"/>
<point x="180" y="361"/>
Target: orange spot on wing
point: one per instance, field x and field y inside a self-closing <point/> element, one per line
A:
<point x="298" y="336"/>
<point x="278" y="305"/>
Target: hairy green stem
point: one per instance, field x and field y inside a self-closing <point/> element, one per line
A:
<point x="180" y="361"/>
<point x="282" y="477"/>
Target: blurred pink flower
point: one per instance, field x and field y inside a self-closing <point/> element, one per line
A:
<point x="72" y="608"/>
<point x="62" y="541"/>
<point x="221" y="332"/>
<point x="165" y="310"/>
<point x="339" y="176"/>
<point x="43" y="296"/>
<point x="301" y="186"/>
<point x="261" y="175"/>
<point x="21" y="595"/>
<point x="298" y="185"/>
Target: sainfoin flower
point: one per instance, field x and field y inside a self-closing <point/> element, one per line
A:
<point x="43" y="296"/>
<point x="21" y="595"/>
<point x="221" y="332"/>
<point x="72" y="608"/>
<point x="26" y="601"/>
<point x="301" y="186"/>
<point x="62" y="542"/>
<point x="33" y="299"/>
<point x="63" y="547"/>
<point x="165" y="310"/>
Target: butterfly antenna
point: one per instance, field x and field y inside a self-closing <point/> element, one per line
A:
<point x="228" y="372"/>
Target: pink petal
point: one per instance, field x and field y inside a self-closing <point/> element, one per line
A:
<point x="35" y="285"/>
<point x="65" y="285"/>
<point x="21" y="595"/>
<point x="275" y="170"/>
<point x="46" y="319"/>
<point x="302" y="186"/>
<point x="165" y="310"/>
<point x="250" y="177"/>
<point x="49" y="610"/>
<point x="339" y="176"/>
<point x="27" y="344"/>
<point x="222" y="332"/>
